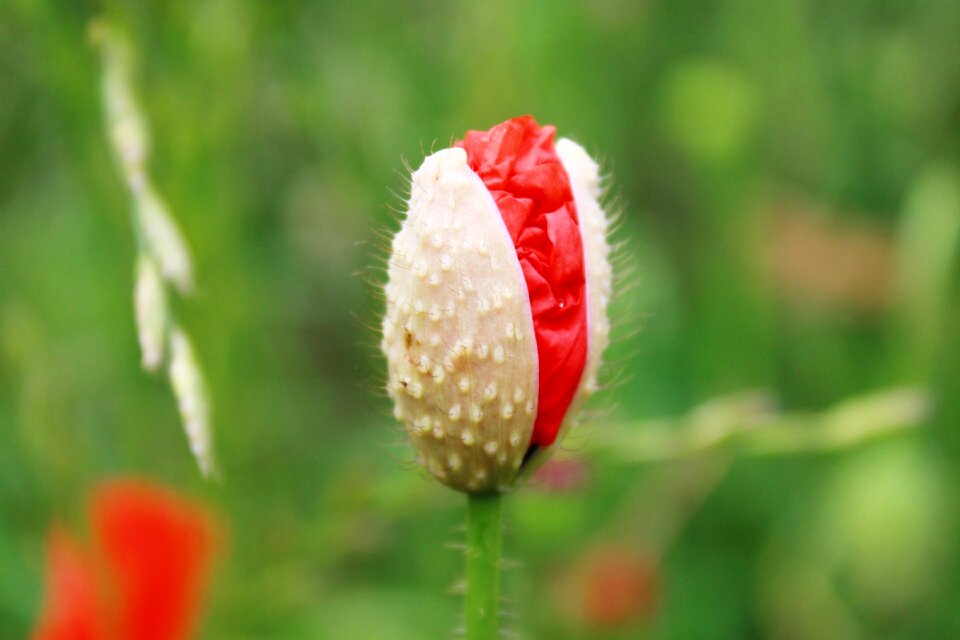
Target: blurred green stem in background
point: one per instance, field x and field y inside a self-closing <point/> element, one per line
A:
<point x="748" y="424"/>
<point x="484" y="541"/>
<point x="929" y="242"/>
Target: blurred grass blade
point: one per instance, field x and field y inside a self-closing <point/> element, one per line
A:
<point x="189" y="387"/>
<point x="747" y="424"/>
<point x="163" y="256"/>
<point x="150" y="302"/>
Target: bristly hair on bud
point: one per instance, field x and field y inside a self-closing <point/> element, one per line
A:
<point x="496" y="302"/>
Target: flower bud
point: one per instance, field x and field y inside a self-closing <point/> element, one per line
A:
<point x="498" y="285"/>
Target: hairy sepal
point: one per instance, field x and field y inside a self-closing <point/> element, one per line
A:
<point x="457" y="333"/>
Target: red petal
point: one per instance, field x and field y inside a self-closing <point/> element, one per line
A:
<point x="519" y="166"/>
<point x="158" y="549"/>
<point x="70" y="608"/>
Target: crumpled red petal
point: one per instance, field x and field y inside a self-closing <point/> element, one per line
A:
<point x="158" y="549"/>
<point x="518" y="164"/>
<point x="70" y="609"/>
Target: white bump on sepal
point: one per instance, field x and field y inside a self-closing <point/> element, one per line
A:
<point x="471" y="351"/>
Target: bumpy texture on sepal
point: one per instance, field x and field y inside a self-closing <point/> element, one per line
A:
<point x="458" y="333"/>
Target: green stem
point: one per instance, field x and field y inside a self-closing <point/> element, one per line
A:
<point x="484" y="537"/>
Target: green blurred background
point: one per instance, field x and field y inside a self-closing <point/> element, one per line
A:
<point x="788" y="175"/>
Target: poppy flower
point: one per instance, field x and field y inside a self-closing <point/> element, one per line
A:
<point x="497" y="292"/>
<point x="611" y="586"/>
<point x="142" y="578"/>
<point x="620" y="588"/>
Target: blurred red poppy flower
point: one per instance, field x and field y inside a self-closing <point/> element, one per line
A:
<point x="143" y="577"/>
<point x="611" y="586"/>
<point x="620" y="587"/>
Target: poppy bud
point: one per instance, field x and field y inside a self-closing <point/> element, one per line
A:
<point x="496" y="302"/>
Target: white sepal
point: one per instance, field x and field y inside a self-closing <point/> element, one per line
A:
<point x="458" y="332"/>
